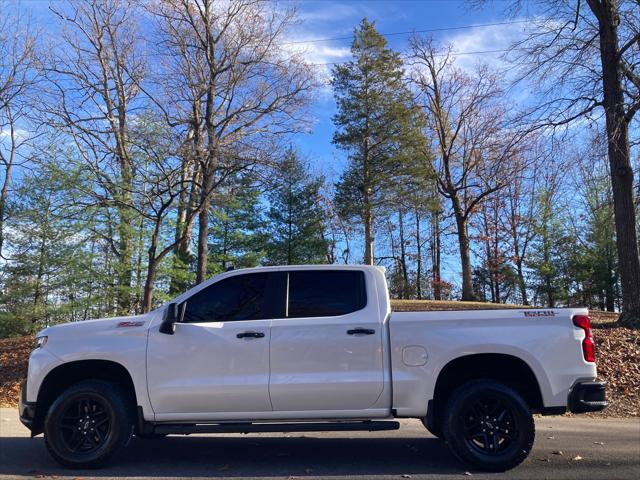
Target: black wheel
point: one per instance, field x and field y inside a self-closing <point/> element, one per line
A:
<point x="488" y="426"/>
<point x="87" y="424"/>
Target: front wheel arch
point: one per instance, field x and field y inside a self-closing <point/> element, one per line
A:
<point x="64" y="376"/>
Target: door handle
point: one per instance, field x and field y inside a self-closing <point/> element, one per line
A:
<point x="250" y="335"/>
<point x="361" y="331"/>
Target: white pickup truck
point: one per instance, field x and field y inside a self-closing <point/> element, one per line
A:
<point x="308" y="348"/>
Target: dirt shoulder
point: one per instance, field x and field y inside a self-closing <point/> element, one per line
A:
<point x="618" y="354"/>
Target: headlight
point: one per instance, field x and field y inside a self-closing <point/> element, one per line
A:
<point x="41" y="341"/>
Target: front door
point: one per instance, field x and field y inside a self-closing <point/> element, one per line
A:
<point x="217" y="360"/>
<point x="326" y="353"/>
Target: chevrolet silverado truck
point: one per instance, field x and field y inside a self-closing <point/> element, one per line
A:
<point x="308" y="348"/>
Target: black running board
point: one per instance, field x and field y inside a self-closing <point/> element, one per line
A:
<point x="183" y="428"/>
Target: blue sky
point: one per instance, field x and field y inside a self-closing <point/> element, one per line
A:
<point x="332" y="19"/>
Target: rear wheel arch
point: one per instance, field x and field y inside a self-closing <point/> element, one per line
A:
<point x="504" y="368"/>
<point x="65" y="375"/>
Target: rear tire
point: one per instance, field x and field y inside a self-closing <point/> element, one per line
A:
<point x="488" y="426"/>
<point x="87" y="424"/>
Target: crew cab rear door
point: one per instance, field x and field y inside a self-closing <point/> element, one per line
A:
<point x="217" y="361"/>
<point x="326" y="352"/>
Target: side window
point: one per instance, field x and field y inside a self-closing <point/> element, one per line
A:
<point x="328" y="293"/>
<point x="240" y="297"/>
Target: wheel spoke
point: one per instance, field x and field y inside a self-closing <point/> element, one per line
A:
<point x="99" y="435"/>
<point x="485" y="441"/>
<point x="77" y="443"/>
<point x="68" y="426"/>
<point x="488" y="425"/>
<point x="85" y="424"/>
<point x="100" y="422"/>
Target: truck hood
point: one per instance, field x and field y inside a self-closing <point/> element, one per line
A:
<point x="101" y="325"/>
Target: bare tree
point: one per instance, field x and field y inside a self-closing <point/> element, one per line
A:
<point x="232" y="83"/>
<point x="475" y="151"/>
<point x="17" y="77"/>
<point x="584" y="61"/>
<point x="518" y="222"/>
<point x="94" y="77"/>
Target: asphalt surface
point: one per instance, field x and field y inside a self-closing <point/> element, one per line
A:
<point x="568" y="448"/>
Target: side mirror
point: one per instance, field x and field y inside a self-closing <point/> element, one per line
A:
<point x="171" y="316"/>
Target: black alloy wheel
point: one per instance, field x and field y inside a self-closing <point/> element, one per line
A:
<point x="488" y="425"/>
<point x="88" y="423"/>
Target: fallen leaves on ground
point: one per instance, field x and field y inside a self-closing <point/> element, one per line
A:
<point x="14" y="360"/>
<point x="618" y="359"/>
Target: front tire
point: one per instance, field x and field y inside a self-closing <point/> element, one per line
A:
<point x="87" y="424"/>
<point x="488" y="426"/>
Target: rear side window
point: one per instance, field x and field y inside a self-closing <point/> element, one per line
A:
<point x="318" y="293"/>
<point x="241" y="297"/>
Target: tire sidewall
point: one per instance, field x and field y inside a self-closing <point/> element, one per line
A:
<point x="454" y="426"/>
<point x="120" y="428"/>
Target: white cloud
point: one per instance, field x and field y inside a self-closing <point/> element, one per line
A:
<point x="18" y="132"/>
<point x="494" y="40"/>
<point x="321" y="54"/>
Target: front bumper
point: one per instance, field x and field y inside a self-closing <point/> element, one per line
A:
<point x="588" y="397"/>
<point x="26" y="409"/>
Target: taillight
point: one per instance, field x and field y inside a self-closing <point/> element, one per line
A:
<point x="588" y="346"/>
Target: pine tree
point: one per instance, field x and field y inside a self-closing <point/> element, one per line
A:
<point x="374" y="124"/>
<point x="47" y="277"/>
<point x="236" y="224"/>
<point x="551" y="250"/>
<point x="295" y="220"/>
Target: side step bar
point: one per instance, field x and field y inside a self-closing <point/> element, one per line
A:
<point x="183" y="428"/>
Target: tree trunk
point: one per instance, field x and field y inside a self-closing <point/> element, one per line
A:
<point x="435" y="256"/>
<point x="521" y="283"/>
<point x="181" y="251"/>
<point x="203" y="227"/>
<point x="465" y="252"/>
<point x="465" y="260"/>
<point x="138" y="303"/>
<point x="4" y="192"/>
<point x="124" y="266"/>
<point x="203" y="238"/>
<point x="152" y="267"/>
<point x="403" y="257"/>
<point x="419" y="258"/>
<point x="620" y="164"/>
<point x="368" y="232"/>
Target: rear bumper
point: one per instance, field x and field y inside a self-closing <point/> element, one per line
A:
<point x="588" y="397"/>
<point x="26" y="409"/>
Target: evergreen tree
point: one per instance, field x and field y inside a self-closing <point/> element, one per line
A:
<point x="295" y="220"/>
<point x="375" y="123"/>
<point x="594" y="265"/>
<point x="551" y="250"/>
<point x="236" y="224"/>
<point x="47" y="278"/>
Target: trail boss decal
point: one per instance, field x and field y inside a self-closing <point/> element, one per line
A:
<point x="539" y="313"/>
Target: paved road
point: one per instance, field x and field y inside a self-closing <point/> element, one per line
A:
<point x="591" y="449"/>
